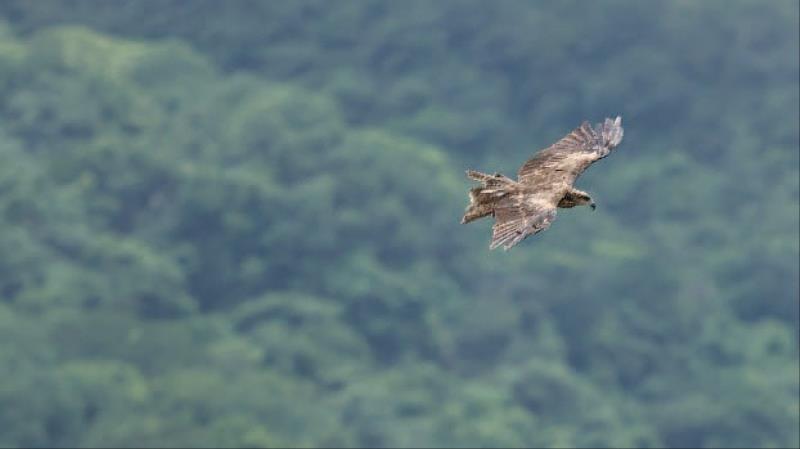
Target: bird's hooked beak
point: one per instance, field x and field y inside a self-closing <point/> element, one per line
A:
<point x="593" y="206"/>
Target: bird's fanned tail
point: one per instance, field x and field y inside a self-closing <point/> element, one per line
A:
<point x="483" y="198"/>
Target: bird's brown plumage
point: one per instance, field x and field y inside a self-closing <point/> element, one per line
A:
<point x="545" y="182"/>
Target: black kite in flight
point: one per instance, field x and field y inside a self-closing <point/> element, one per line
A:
<point x="528" y="205"/>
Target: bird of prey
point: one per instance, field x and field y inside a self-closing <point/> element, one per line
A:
<point x="528" y="205"/>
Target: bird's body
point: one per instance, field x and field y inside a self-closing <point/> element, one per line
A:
<point x="544" y="183"/>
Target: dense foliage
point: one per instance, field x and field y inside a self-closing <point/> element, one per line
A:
<point x="237" y="224"/>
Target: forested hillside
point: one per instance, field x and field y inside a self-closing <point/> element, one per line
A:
<point x="237" y="224"/>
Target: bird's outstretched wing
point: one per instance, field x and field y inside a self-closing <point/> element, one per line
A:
<point x="516" y="219"/>
<point x="566" y="159"/>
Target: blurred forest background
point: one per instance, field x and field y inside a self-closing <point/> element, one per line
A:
<point x="237" y="224"/>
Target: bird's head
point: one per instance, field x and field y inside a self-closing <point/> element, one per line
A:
<point x="585" y="200"/>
